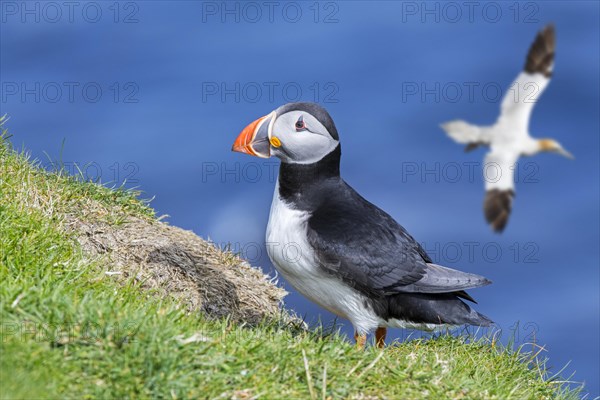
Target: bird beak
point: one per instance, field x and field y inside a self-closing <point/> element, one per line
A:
<point x="254" y="139"/>
<point x="565" y="153"/>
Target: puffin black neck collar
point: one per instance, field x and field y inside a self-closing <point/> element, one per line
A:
<point x="296" y="179"/>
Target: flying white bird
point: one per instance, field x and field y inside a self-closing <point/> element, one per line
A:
<point x="509" y="138"/>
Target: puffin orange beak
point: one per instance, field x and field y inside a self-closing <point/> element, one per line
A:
<point x="254" y="139"/>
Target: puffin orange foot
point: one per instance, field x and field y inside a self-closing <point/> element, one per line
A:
<point x="380" y="337"/>
<point x="361" y="340"/>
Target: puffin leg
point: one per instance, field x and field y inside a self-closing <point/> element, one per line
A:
<point x="361" y="340"/>
<point x="380" y="337"/>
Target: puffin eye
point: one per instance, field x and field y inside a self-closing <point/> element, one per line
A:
<point x="300" y="126"/>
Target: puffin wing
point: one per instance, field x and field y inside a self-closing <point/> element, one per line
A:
<point x="521" y="96"/>
<point x="439" y="279"/>
<point x="365" y="247"/>
<point x="498" y="173"/>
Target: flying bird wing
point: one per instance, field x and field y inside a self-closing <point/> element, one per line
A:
<point x="471" y="135"/>
<point x="367" y="248"/>
<point x="521" y="96"/>
<point x="498" y="174"/>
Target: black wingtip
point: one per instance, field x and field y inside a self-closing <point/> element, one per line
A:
<point x="541" y="53"/>
<point x="499" y="223"/>
<point x="549" y="28"/>
<point x="472" y="146"/>
<point x="496" y="208"/>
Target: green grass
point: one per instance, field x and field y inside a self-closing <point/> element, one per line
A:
<point x="70" y="331"/>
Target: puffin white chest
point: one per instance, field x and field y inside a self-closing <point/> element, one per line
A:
<point x="292" y="255"/>
<point x="286" y="240"/>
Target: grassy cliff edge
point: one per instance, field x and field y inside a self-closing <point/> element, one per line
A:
<point x="99" y="299"/>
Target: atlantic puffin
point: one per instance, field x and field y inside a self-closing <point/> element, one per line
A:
<point x="341" y="251"/>
<point x="509" y="138"/>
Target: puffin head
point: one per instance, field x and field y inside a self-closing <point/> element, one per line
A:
<point x="296" y="133"/>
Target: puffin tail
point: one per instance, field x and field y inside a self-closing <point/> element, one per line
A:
<point x="477" y="319"/>
<point x="483" y="320"/>
<point x="435" y="309"/>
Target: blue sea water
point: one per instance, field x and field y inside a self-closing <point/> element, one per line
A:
<point x="153" y="93"/>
